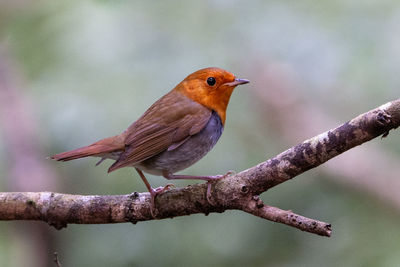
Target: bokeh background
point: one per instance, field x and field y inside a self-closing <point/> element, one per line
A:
<point x="72" y="72"/>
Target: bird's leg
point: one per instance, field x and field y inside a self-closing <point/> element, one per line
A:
<point x="209" y="179"/>
<point x="153" y="192"/>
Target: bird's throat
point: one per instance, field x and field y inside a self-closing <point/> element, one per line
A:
<point x="217" y="100"/>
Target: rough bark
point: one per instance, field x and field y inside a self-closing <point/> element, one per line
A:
<point x="280" y="104"/>
<point x="239" y="191"/>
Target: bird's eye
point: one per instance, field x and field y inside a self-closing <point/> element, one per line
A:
<point x="210" y="81"/>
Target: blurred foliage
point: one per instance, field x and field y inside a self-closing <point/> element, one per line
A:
<point x="92" y="68"/>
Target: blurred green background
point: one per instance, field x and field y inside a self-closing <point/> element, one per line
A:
<point x="72" y="72"/>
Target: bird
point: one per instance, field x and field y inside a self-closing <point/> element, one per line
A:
<point x="174" y="133"/>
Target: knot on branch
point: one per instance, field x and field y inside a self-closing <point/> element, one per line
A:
<point x="258" y="202"/>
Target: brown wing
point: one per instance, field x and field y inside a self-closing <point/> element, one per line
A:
<point x="169" y="121"/>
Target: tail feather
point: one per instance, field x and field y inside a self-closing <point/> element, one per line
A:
<point x="102" y="147"/>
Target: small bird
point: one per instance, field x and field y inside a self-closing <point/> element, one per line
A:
<point x="175" y="132"/>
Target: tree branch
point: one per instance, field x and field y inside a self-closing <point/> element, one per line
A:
<point x="238" y="191"/>
<point x="285" y="100"/>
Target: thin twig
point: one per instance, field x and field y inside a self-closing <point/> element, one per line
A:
<point x="58" y="263"/>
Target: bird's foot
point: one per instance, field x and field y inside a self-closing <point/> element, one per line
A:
<point x="153" y="194"/>
<point x="209" y="180"/>
<point x="213" y="179"/>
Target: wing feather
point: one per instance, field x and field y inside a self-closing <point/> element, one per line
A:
<point x="169" y="121"/>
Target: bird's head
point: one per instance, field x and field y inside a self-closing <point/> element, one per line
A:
<point x="211" y="87"/>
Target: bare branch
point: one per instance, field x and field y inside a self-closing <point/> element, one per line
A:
<point x="285" y="100"/>
<point x="257" y="208"/>
<point x="238" y="191"/>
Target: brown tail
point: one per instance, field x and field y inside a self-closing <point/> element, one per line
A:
<point x="104" y="146"/>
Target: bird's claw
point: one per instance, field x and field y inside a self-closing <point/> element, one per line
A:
<point x="153" y="194"/>
<point x="209" y="184"/>
<point x="229" y="173"/>
<point x="208" y="195"/>
<point x="162" y="189"/>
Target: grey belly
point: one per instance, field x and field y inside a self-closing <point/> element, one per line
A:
<point x="185" y="155"/>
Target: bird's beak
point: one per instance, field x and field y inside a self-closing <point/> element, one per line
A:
<point x="237" y="82"/>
